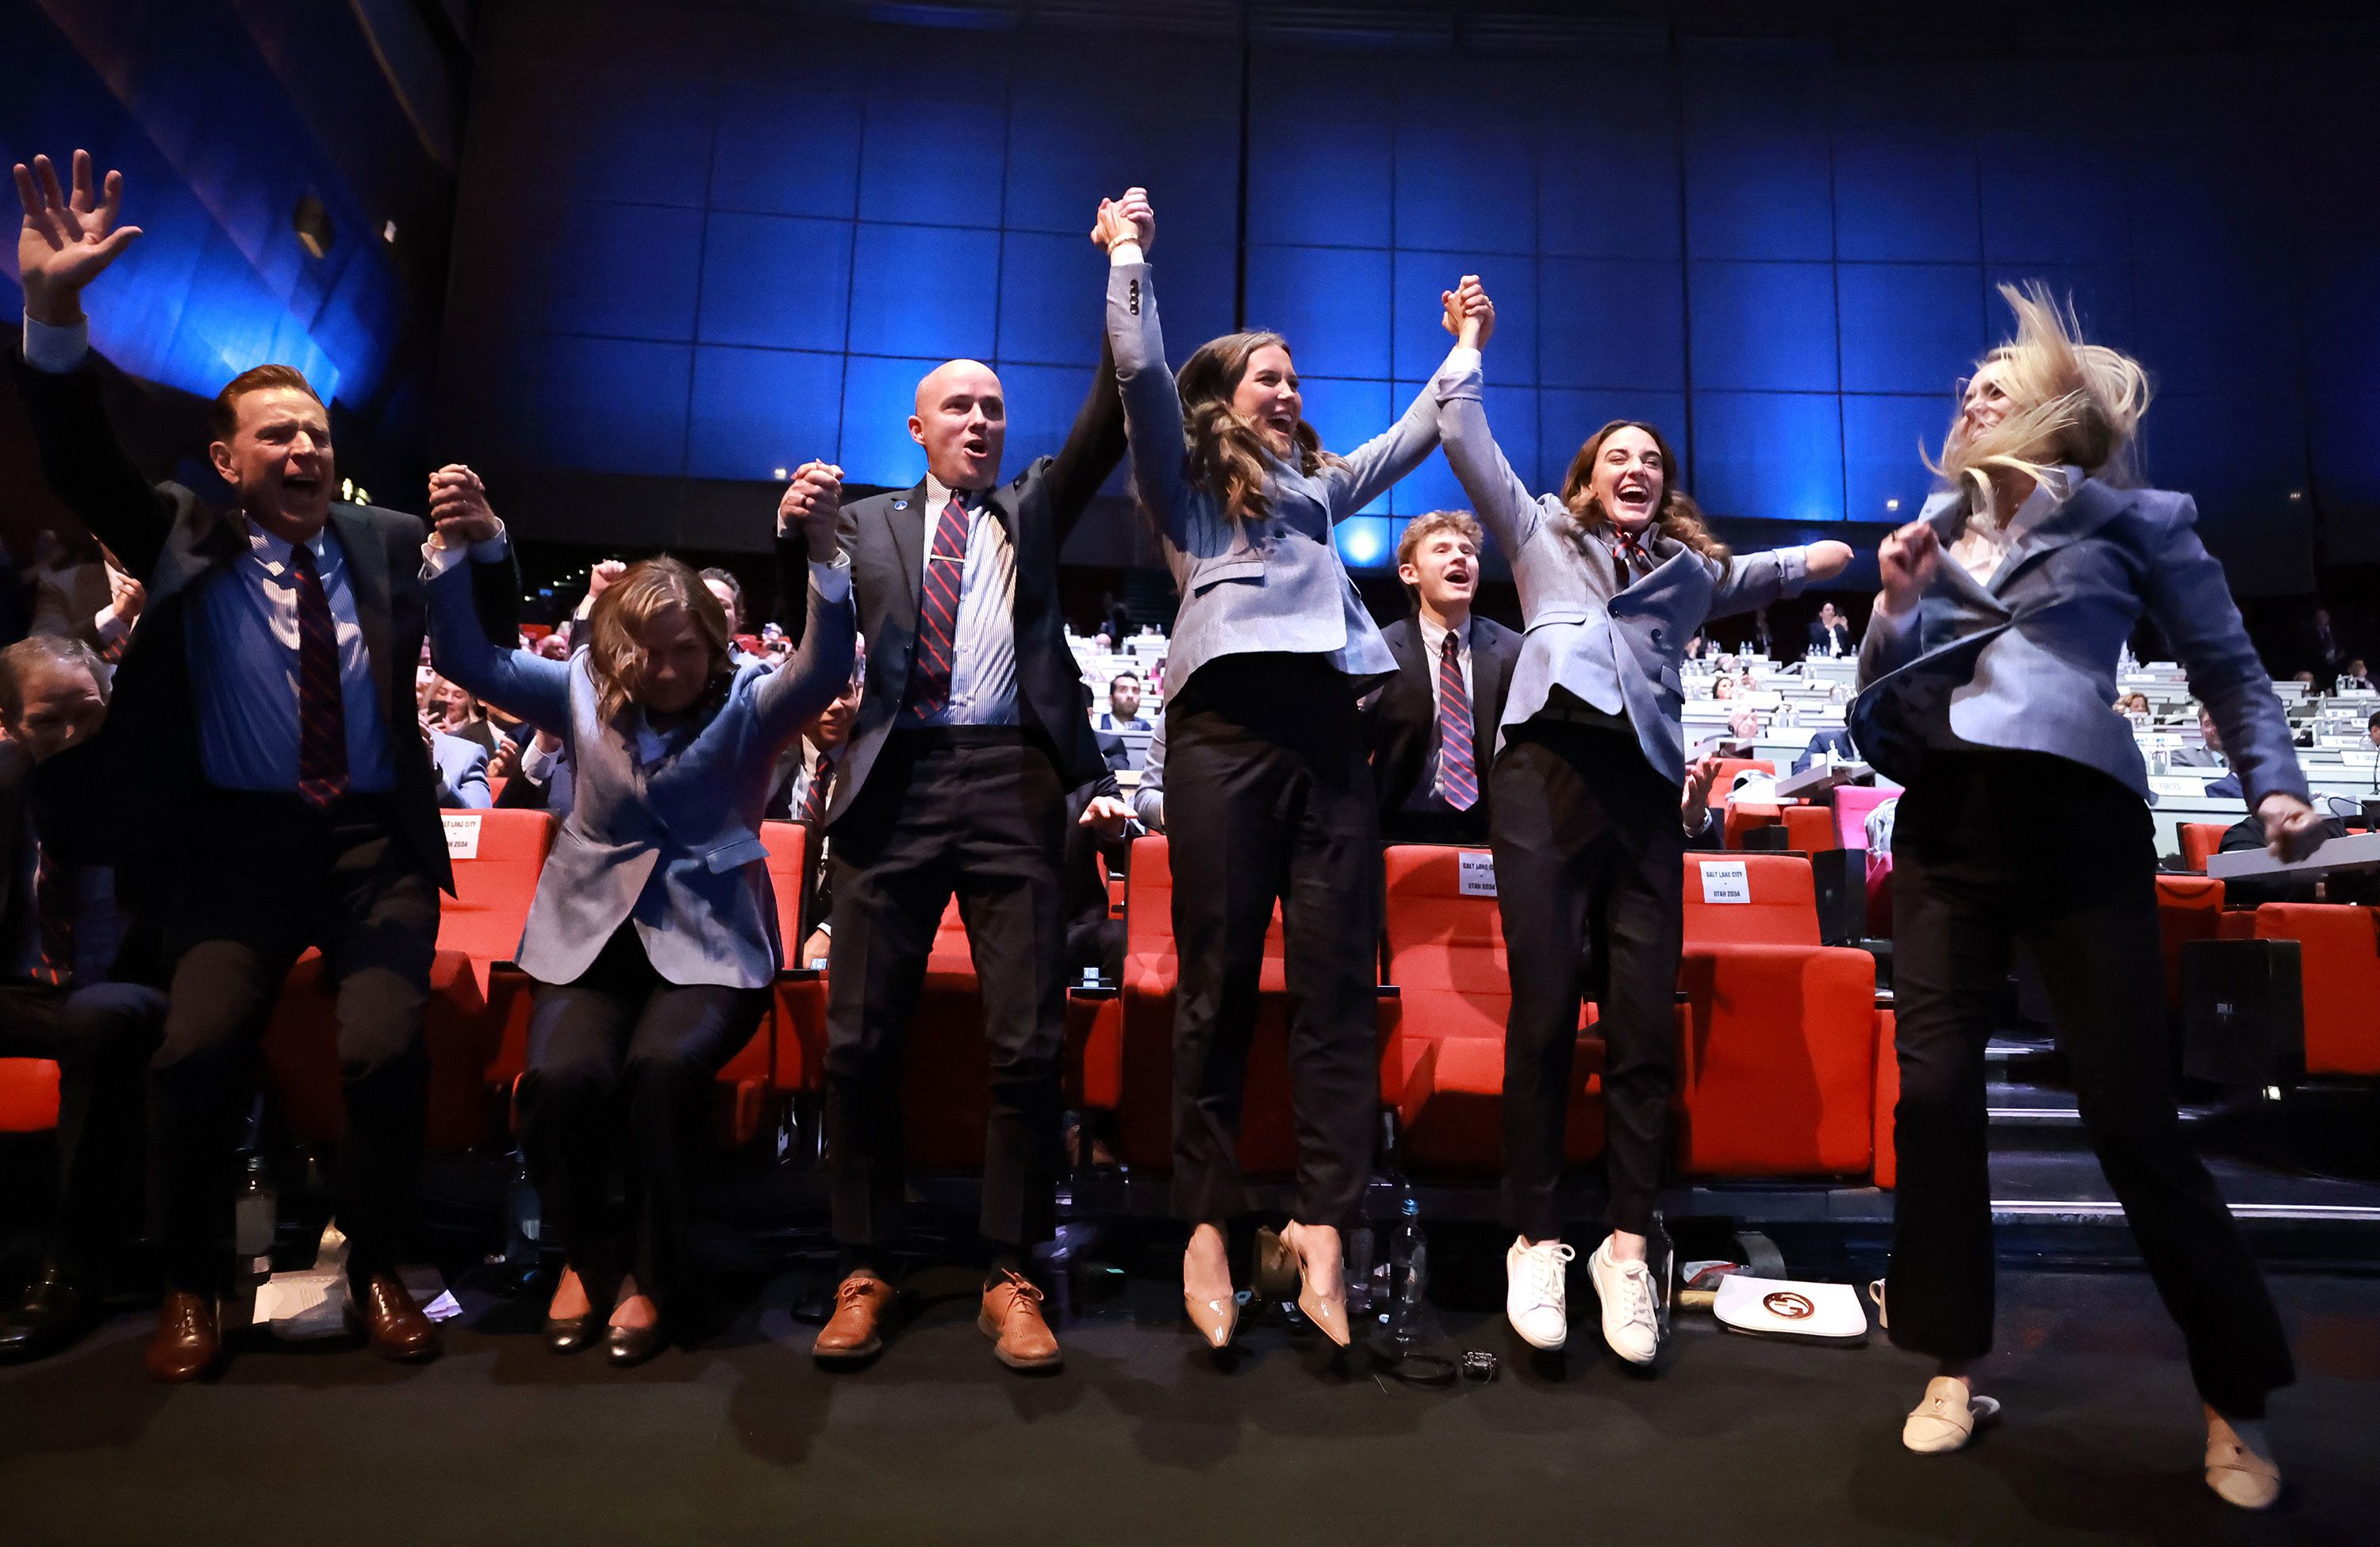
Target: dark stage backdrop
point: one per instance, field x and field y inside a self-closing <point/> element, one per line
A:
<point x="699" y="244"/>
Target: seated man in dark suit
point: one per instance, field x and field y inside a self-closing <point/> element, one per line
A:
<point x="1830" y="633"/>
<point x="62" y="932"/>
<point x="1123" y="712"/>
<point x="2211" y="756"/>
<point x="1432" y="726"/>
<point x="1834" y="743"/>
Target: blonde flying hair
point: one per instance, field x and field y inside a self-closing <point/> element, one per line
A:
<point x="2069" y="402"/>
<point x="1676" y="517"/>
<point x="616" y="624"/>
<point x="1223" y="451"/>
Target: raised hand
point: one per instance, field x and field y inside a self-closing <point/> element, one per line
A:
<point x="1695" y="799"/>
<point x="1908" y="559"/>
<point x="459" y="515"/>
<point x="600" y="579"/>
<point x="1108" y="227"/>
<point x="1470" y="315"/>
<point x="126" y="595"/>
<point x="1135" y="212"/>
<point x="68" y="239"/>
<point x="814" y="499"/>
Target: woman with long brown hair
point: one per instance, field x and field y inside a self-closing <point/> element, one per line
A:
<point x="1268" y="790"/>
<point x="1989" y="672"/>
<point x="1615" y="574"/>
<point x="653" y="936"/>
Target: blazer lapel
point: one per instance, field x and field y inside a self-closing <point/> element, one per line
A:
<point x="1488" y="664"/>
<point x="2085" y="512"/>
<point x="367" y="564"/>
<point x="904" y="520"/>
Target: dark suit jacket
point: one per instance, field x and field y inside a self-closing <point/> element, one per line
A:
<point x="1841" y="633"/>
<point x="1400" y="720"/>
<point x="174" y="543"/>
<point x="1835" y="741"/>
<point x="885" y="536"/>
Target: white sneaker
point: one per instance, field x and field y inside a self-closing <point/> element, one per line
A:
<point x="1629" y="1324"/>
<point x="1533" y="1291"/>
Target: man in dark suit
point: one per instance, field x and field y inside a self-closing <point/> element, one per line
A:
<point x="266" y="759"/>
<point x="971" y="731"/>
<point x="1836" y="744"/>
<point x="62" y="932"/>
<point x="1432" y="726"/>
<point x="1830" y="634"/>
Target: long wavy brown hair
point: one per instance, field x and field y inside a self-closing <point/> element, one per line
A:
<point x="1677" y="516"/>
<point x="616" y="624"/>
<point x="1224" y="452"/>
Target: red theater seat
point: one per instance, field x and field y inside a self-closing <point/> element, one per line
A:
<point x="497" y="856"/>
<point x="2200" y="839"/>
<point x="29" y="1095"/>
<point x="1777" y="1044"/>
<point x="302" y="1056"/>
<point x="1743" y="816"/>
<point x="1446" y="956"/>
<point x="2189" y="908"/>
<point x="2340" y="964"/>
<point x="1809" y="829"/>
<point x="1145" y="1103"/>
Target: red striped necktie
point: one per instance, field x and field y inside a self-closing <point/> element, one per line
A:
<point x="937" y="614"/>
<point x="821" y="784"/>
<point x="321" y="711"/>
<point x="1458" y="771"/>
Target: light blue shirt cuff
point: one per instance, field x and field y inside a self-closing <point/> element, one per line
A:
<point x="832" y="581"/>
<point x="436" y="561"/>
<point x="55" y="350"/>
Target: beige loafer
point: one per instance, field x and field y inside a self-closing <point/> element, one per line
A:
<point x="1947" y="1419"/>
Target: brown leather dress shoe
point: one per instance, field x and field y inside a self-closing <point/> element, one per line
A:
<point x="863" y="1303"/>
<point x="392" y="1322"/>
<point x="1012" y="1319"/>
<point x="188" y="1345"/>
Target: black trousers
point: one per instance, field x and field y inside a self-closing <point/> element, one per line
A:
<point x="1997" y="849"/>
<point x="1589" y="864"/>
<point x="620" y="1062"/>
<point x="268" y="877"/>
<point x="100" y="1038"/>
<point x="978" y="813"/>
<point x="1268" y="796"/>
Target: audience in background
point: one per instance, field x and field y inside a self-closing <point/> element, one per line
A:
<point x="1122" y="711"/>
<point x="445" y="707"/>
<point x="2356" y="678"/>
<point x="2323" y="647"/>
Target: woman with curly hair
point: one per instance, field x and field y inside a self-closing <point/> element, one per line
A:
<point x="1269" y="792"/>
<point x="1616" y="574"/>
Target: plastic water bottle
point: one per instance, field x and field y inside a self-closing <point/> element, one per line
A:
<point x="256" y="1213"/>
<point x="1410" y="1257"/>
<point x="521" y="1204"/>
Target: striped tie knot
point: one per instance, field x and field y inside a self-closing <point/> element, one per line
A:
<point x="1458" y="770"/>
<point x="937" y="614"/>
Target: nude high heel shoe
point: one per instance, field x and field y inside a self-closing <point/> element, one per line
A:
<point x="1281" y="1262"/>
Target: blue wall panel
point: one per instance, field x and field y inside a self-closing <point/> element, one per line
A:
<point x="1611" y="323"/>
<point x="1331" y="303"/>
<point x="789" y="152"/>
<point x="614" y="404"/>
<point x="1419" y="320"/>
<point x="1886" y="442"/>
<point x="1909" y="327"/>
<point x="916" y="164"/>
<point x="1764" y="326"/>
<point x="925" y="290"/>
<point x="756" y="411"/>
<point x="1899" y="200"/>
<point x="1774" y="455"/>
<point x="776" y="281"/>
<point x="879" y="395"/>
<point x="625" y="271"/>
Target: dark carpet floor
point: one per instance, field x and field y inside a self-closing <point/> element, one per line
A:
<point x="1142" y="1438"/>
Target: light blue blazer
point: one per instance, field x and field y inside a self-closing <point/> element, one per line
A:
<point x="1276" y="584"/>
<point x="1614" y="648"/>
<point x="673" y="843"/>
<point x="2027" y="661"/>
<point x="461" y="768"/>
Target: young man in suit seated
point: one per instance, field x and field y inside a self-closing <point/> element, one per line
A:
<point x="1432" y="726"/>
<point x="61" y="934"/>
<point x="1123" y="712"/>
<point x="265" y="753"/>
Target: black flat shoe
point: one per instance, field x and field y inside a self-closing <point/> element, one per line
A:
<point x="570" y="1334"/>
<point x="624" y="1347"/>
<point x="58" y="1312"/>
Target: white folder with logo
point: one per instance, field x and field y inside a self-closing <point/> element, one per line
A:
<point x="1784" y="1307"/>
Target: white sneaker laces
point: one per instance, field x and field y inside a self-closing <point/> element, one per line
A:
<point x="1541" y="1272"/>
<point x="1636" y="1282"/>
